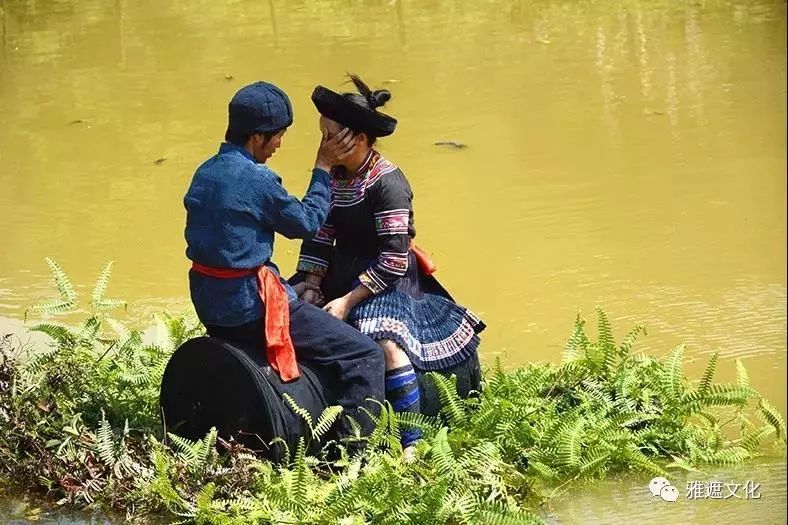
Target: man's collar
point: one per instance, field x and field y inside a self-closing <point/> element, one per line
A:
<point x="228" y="147"/>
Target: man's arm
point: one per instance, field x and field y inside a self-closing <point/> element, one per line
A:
<point x="302" y="219"/>
<point x="286" y="215"/>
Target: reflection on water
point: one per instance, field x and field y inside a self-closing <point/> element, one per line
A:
<point x="627" y="154"/>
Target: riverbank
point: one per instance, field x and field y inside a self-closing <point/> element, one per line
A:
<point x="80" y="424"/>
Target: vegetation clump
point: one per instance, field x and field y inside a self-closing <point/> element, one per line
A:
<point x="79" y="421"/>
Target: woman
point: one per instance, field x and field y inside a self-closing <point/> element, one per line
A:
<point x="364" y="265"/>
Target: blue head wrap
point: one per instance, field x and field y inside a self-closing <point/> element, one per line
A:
<point x="259" y="108"/>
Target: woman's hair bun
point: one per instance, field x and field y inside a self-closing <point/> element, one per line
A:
<point x="375" y="99"/>
<point x="380" y="97"/>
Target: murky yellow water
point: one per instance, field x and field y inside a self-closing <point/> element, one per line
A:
<point x="627" y="154"/>
<point x="742" y="495"/>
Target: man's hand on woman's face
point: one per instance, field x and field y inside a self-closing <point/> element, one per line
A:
<point x="334" y="150"/>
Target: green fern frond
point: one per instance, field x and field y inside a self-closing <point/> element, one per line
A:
<point x="101" y="284"/>
<point x="552" y="427"/>
<point x="543" y="470"/>
<point x="742" y="379"/>
<point x="708" y="374"/>
<point x="106" y="305"/>
<point x="712" y="419"/>
<point x="716" y="395"/>
<point x="594" y="461"/>
<point x="325" y="421"/>
<point x="503" y="429"/>
<point x="55" y="306"/>
<point x="299" y="485"/>
<point x="488" y="415"/>
<point x="752" y="441"/>
<point x="205" y="448"/>
<point x="187" y="448"/>
<point x="162" y="484"/>
<point x="637" y="459"/>
<point x="597" y="391"/>
<point x="459" y="505"/>
<point x="354" y="426"/>
<point x="531" y="383"/>
<point x="574" y="346"/>
<point x="89" y="329"/>
<point x="204" y="498"/>
<point x="302" y="412"/>
<point x="483" y="456"/>
<point x="119" y="328"/>
<point x="604" y="330"/>
<point x="135" y="377"/>
<point x="394" y="434"/>
<point x="672" y="376"/>
<point x="427" y="424"/>
<point x="628" y="419"/>
<point x="105" y="443"/>
<point x="63" y="283"/>
<point x="451" y="403"/>
<point x="59" y="333"/>
<point x="282" y="443"/>
<point x="378" y="437"/>
<point x="569" y="443"/>
<point x="443" y="456"/>
<point x="498" y="367"/>
<point x="682" y="463"/>
<point x="571" y="371"/>
<point x="729" y="456"/>
<point x="771" y="416"/>
<point x="237" y="505"/>
<point x="629" y="340"/>
<point x="172" y="332"/>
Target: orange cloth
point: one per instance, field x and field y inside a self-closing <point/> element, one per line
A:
<point x="278" y="346"/>
<point x="424" y="260"/>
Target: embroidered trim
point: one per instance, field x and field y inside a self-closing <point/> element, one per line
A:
<point x="313" y="265"/>
<point x="388" y="324"/>
<point x="450" y="345"/>
<point x="393" y="262"/>
<point x="380" y="168"/>
<point x="325" y="235"/>
<point x="392" y="222"/>
<point x="367" y="161"/>
<point x="389" y="263"/>
<point x="349" y="192"/>
<point x="434" y="351"/>
<point x="371" y="280"/>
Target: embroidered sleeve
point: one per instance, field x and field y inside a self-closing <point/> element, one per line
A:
<point x="391" y="199"/>
<point x="315" y="253"/>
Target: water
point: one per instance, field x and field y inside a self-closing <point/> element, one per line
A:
<point x="745" y="495"/>
<point x="623" y="154"/>
<point x="18" y="509"/>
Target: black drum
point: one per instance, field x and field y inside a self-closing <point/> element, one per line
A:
<point x="209" y="382"/>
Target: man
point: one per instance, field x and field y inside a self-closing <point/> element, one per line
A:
<point x="234" y="205"/>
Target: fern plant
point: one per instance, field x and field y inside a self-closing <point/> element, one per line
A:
<point x="101" y="368"/>
<point x="80" y="420"/>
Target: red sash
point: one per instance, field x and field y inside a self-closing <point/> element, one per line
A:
<point x="424" y="260"/>
<point x="276" y="326"/>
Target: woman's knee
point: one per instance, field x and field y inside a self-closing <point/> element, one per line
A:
<point x="394" y="355"/>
